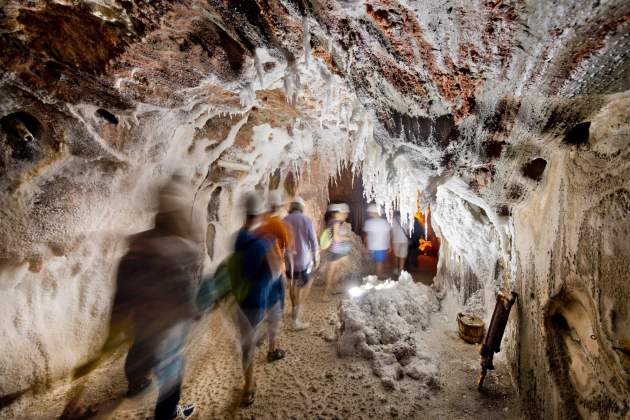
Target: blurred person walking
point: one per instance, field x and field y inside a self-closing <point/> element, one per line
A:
<point x="277" y="233"/>
<point x="340" y="244"/>
<point x="376" y="236"/>
<point x="303" y="257"/>
<point x="400" y="242"/>
<point x="251" y="269"/>
<point x="157" y="284"/>
<point x="414" y="252"/>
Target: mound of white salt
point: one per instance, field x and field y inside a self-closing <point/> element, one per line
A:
<point x="385" y="323"/>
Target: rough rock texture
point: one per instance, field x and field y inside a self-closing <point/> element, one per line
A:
<point x="510" y="116"/>
<point x="95" y="117"/>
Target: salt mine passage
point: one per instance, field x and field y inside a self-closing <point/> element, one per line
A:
<point x="315" y="209"/>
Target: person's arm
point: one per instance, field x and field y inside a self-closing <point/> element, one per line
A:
<point x="274" y="262"/>
<point x="288" y="245"/>
<point x="313" y="246"/>
<point x="364" y="235"/>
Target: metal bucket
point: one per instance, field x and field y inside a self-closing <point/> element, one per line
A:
<point x="470" y="328"/>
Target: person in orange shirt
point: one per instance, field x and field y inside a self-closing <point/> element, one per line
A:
<point x="277" y="232"/>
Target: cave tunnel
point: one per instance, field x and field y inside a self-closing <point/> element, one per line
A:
<point x="199" y="205"/>
<point x="348" y="188"/>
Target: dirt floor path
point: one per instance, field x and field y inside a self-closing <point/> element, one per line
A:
<point x="313" y="382"/>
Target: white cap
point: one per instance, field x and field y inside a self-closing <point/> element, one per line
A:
<point x="373" y="208"/>
<point x="253" y="205"/>
<point x="298" y="200"/>
<point x="339" y="208"/>
<point x="275" y="198"/>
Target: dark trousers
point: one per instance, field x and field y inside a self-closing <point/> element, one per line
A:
<point x="167" y="404"/>
<point x="160" y="353"/>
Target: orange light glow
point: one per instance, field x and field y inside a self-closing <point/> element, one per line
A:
<point x="419" y="214"/>
<point x="424" y="245"/>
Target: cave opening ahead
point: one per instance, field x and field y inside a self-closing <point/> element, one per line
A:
<point x="423" y="244"/>
<point x="347" y="188"/>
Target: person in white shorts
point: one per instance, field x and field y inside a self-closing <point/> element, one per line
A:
<point x="400" y="242"/>
<point x="376" y="237"/>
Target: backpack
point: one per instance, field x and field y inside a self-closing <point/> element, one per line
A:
<point x="232" y="269"/>
<point x="213" y="289"/>
<point x="325" y="239"/>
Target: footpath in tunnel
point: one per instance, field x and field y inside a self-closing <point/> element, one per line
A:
<point x="312" y="381"/>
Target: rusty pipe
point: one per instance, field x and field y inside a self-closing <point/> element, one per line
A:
<point x="492" y="340"/>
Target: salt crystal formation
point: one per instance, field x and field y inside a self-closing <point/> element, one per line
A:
<point x="385" y="323"/>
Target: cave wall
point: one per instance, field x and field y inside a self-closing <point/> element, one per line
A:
<point x="96" y="117"/>
<point x="572" y="246"/>
<point x="562" y="245"/>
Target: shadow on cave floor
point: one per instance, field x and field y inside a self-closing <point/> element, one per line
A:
<point x="313" y="382"/>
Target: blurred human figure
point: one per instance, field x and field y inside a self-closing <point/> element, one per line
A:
<point x="400" y="242"/>
<point x="156" y="296"/>
<point x="277" y="233"/>
<point x="251" y="273"/>
<point x="340" y="246"/>
<point x="376" y="237"/>
<point x="303" y="258"/>
<point x="414" y="252"/>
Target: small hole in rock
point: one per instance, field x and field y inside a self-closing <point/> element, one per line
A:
<point x="213" y="205"/>
<point x="107" y="116"/>
<point x="534" y="169"/>
<point x="22" y="130"/>
<point x="210" y="237"/>
<point x="503" y="210"/>
<point x="559" y="323"/>
<point x="268" y="66"/>
<point x="578" y="135"/>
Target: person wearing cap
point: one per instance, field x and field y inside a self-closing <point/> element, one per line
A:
<point x="251" y="277"/>
<point x="377" y="236"/>
<point x="277" y="233"/>
<point x="303" y="256"/>
<point x="340" y="246"/>
<point x="155" y="304"/>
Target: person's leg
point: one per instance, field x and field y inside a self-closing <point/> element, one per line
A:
<point x="247" y="327"/>
<point x="170" y="373"/>
<point x="330" y="275"/>
<point x="292" y="295"/>
<point x="295" y="313"/>
<point x="166" y="407"/>
<point x="305" y="291"/>
<point x="377" y="256"/>
<point x="303" y="284"/>
<point x="276" y="302"/>
<point x="275" y="321"/>
<point x="375" y="260"/>
<point x="138" y="365"/>
<point x="248" y="369"/>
